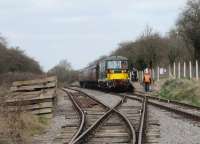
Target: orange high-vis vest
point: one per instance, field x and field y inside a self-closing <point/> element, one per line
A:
<point x="147" y="78"/>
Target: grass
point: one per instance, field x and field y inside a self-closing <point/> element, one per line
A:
<point x="183" y="90"/>
<point x="18" y="127"/>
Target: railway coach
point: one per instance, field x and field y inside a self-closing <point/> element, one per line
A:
<point x="109" y="73"/>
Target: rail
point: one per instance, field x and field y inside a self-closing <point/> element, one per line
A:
<point x="143" y="118"/>
<point x="106" y="115"/>
<point x="82" y="116"/>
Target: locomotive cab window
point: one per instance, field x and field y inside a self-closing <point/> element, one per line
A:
<point x="117" y="65"/>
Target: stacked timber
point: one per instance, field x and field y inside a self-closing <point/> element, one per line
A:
<point x="36" y="96"/>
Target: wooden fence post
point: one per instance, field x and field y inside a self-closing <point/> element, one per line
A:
<point x="153" y="74"/>
<point x="197" y="70"/>
<point x="142" y="76"/>
<point x="179" y="70"/>
<point x="190" y="65"/>
<point x="184" y="70"/>
<point x="170" y="73"/>
<point x="174" y="70"/>
<point x="158" y="74"/>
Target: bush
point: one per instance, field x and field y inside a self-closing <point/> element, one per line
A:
<point x="64" y="73"/>
<point x="15" y="60"/>
<point x="187" y="91"/>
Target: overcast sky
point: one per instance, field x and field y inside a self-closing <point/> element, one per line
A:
<point x="81" y="30"/>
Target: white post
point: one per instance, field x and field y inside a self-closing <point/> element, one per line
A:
<point x="142" y="76"/>
<point x="174" y="70"/>
<point x="184" y="70"/>
<point x="179" y="70"/>
<point x="197" y="70"/>
<point x="158" y="77"/>
<point x="138" y="75"/>
<point x="153" y="74"/>
<point x="190" y="65"/>
<point x="170" y="71"/>
<point x="130" y="76"/>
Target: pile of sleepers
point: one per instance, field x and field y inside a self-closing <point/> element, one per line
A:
<point x="36" y="96"/>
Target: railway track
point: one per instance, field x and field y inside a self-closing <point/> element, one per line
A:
<point x="135" y="110"/>
<point x="143" y="120"/>
<point x="103" y="125"/>
<point x="139" y="109"/>
<point x="150" y="132"/>
<point x="186" y="110"/>
<point x="75" y="119"/>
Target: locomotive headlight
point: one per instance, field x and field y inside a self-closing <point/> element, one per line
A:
<point x="110" y="71"/>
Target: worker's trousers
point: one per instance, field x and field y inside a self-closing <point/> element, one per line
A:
<point x="146" y="86"/>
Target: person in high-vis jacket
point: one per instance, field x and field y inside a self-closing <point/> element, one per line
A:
<point x="147" y="81"/>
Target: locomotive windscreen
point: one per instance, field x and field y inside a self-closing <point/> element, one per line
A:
<point x="117" y="64"/>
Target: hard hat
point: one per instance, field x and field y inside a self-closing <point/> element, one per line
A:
<point x="146" y="71"/>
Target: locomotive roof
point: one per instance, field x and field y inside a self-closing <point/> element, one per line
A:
<point x="116" y="58"/>
<point x="94" y="65"/>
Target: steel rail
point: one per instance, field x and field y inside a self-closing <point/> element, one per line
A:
<point x="143" y="119"/>
<point x="82" y="116"/>
<point x="86" y="133"/>
<point x="167" y="101"/>
<point x="188" y="115"/>
<point x="130" y="126"/>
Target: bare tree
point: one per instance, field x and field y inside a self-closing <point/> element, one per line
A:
<point x="63" y="70"/>
<point x="189" y="25"/>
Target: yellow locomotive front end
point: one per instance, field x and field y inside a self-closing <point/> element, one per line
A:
<point x="117" y="74"/>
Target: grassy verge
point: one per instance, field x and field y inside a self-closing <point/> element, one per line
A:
<point x="183" y="90"/>
<point x="18" y="127"/>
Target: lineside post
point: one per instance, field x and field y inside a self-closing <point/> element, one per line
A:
<point x="153" y="74"/>
<point x="170" y="73"/>
<point x="190" y="65"/>
<point x="142" y="76"/>
<point x="184" y="70"/>
<point x="158" y="74"/>
<point x="174" y="70"/>
<point x="197" y="70"/>
<point x="179" y="70"/>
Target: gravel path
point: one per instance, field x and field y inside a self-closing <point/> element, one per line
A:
<point x="109" y="99"/>
<point x="176" y="130"/>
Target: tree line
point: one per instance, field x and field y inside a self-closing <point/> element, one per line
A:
<point x="180" y="44"/>
<point x="12" y="59"/>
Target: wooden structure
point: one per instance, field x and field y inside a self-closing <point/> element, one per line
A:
<point x="36" y="96"/>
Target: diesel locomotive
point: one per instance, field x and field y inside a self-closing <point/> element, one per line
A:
<point x="109" y="73"/>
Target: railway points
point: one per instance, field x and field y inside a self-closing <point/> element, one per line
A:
<point x="153" y="125"/>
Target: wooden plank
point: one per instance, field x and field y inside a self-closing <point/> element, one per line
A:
<point x="27" y="93"/>
<point x="33" y="87"/>
<point x="32" y="107"/>
<point x="48" y="116"/>
<point x="36" y="81"/>
<point x="42" y="111"/>
<point x="49" y="94"/>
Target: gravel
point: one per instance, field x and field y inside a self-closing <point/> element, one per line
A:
<point x="56" y="123"/>
<point x="109" y="99"/>
<point x="175" y="129"/>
